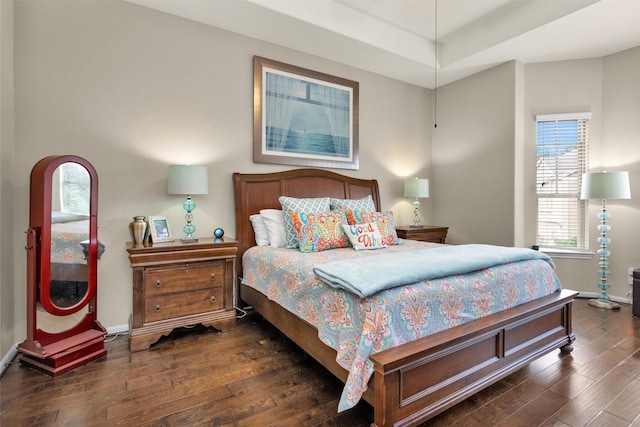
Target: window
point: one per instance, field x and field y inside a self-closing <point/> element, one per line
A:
<point x="562" y="157"/>
<point x="74" y="189"/>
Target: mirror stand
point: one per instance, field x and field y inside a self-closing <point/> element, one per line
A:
<point x="62" y="255"/>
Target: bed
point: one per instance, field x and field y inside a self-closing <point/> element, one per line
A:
<point x="69" y="243"/>
<point x="415" y="380"/>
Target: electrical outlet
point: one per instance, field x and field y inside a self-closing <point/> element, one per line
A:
<point x="630" y="276"/>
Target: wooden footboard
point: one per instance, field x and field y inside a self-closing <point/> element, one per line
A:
<point x="416" y="381"/>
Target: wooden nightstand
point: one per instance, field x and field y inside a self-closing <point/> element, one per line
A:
<point x="181" y="284"/>
<point x="425" y="233"/>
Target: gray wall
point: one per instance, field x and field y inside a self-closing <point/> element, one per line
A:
<point x="7" y="288"/>
<point x="473" y="157"/>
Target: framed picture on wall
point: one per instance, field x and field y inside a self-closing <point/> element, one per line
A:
<point x="159" y="229"/>
<point x="303" y="117"/>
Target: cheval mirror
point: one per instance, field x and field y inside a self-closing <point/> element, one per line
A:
<point x="62" y="267"/>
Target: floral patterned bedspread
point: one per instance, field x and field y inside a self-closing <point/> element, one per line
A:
<point x="358" y="327"/>
<point x="65" y="242"/>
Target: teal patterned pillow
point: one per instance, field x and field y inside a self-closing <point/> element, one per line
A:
<point x="365" y="204"/>
<point x="292" y="204"/>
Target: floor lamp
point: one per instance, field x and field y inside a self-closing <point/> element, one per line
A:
<point x="604" y="185"/>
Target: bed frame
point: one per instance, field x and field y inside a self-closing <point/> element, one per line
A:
<point x="417" y="380"/>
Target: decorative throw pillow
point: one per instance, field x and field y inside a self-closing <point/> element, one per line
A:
<point x="292" y="204"/>
<point x="384" y="221"/>
<point x="320" y="231"/>
<point x="364" y="236"/>
<point x="274" y="222"/>
<point x="259" y="230"/>
<point x="365" y="204"/>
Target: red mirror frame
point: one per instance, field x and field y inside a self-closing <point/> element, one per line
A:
<point x="56" y="353"/>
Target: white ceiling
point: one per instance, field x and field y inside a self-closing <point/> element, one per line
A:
<point x="397" y="38"/>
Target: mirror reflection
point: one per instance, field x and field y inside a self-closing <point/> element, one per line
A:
<point x="55" y="324"/>
<point x="70" y="198"/>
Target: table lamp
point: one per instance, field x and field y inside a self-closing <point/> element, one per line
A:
<point x="416" y="188"/>
<point x="604" y="185"/>
<point x="189" y="180"/>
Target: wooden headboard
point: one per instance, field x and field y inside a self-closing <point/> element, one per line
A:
<point x="253" y="192"/>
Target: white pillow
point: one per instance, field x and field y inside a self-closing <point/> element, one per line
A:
<point x="260" y="230"/>
<point x="274" y="222"/>
<point x="364" y="236"/>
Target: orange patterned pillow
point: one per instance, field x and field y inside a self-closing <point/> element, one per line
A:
<point x="319" y="231"/>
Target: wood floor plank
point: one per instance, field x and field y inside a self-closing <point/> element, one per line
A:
<point x="626" y="404"/>
<point x="571" y="386"/>
<point x="552" y="422"/>
<point x="535" y="412"/>
<point x="167" y="404"/>
<point x="609" y="420"/>
<point x="297" y="405"/>
<point x="617" y="352"/>
<point x="555" y="373"/>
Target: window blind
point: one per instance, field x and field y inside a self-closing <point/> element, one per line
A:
<point x="75" y="183"/>
<point x="562" y="158"/>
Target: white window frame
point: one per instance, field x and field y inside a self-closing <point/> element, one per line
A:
<point x="562" y="222"/>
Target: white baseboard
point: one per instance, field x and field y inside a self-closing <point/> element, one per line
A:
<point x="11" y="354"/>
<point x="119" y="329"/>
<point x="6" y="360"/>
<point x="614" y="298"/>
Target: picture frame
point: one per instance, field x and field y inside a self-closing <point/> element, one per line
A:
<point x="303" y="117"/>
<point x="159" y="229"/>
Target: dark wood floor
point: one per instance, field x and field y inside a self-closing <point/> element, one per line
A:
<point x="255" y="377"/>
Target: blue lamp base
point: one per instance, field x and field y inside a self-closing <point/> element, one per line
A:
<point x="603" y="270"/>
<point x="189" y="229"/>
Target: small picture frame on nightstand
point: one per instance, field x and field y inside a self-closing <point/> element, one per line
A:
<point x="159" y="229"/>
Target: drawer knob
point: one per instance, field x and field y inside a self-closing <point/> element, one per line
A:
<point x="157" y="308"/>
<point x="213" y="298"/>
<point x="213" y="276"/>
<point x="158" y="283"/>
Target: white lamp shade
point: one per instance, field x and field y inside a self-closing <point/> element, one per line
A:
<point x="188" y="179"/>
<point x="416" y="188"/>
<point x="605" y="185"/>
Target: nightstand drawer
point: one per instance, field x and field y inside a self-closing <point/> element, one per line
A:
<point x="427" y="236"/>
<point x="163" y="307"/>
<point x="184" y="277"/>
<point x="425" y="233"/>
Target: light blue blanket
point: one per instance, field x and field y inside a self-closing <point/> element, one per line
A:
<point x="367" y="275"/>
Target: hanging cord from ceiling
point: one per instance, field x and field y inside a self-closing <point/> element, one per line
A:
<point x="435" y="71"/>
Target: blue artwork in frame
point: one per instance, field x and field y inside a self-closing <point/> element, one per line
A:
<point x="303" y="117"/>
